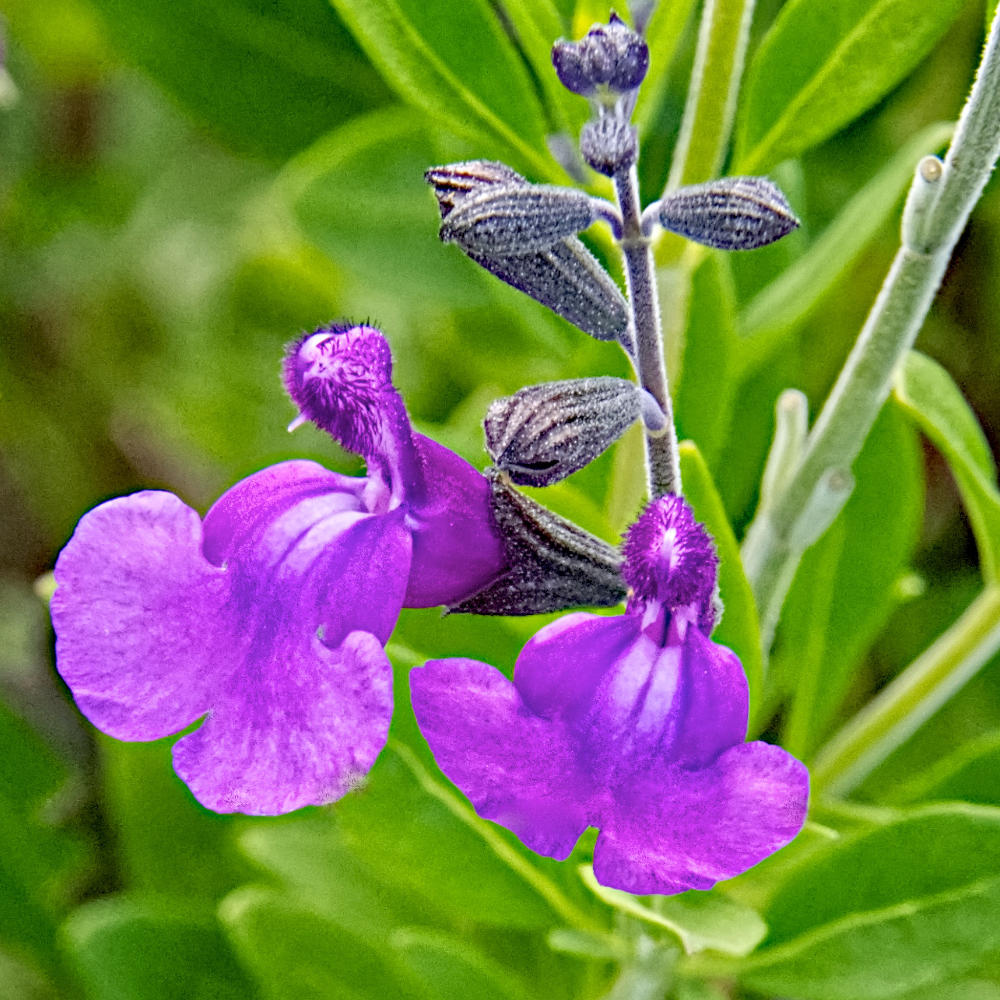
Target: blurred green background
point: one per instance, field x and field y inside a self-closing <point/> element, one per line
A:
<point x="184" y="187"/>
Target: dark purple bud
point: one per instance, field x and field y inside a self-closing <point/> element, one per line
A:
<point x="543" y="433"/>
<point x="733" y="213"/>
<point x="610" y="55"/>
<point x="609" y="144"/>
<point x="570" y="281"/>
<point x="564" y="276"/>
<point x="518" y="219"/>
<point x="554" y="563"/>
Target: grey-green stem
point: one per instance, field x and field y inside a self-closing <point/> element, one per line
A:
<point x="662" y="461"/>
<point x="772" y="548"/>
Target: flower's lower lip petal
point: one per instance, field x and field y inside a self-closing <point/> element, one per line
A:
<point x="677" y="829"/>
<point x="304" y="730"/>
<point x="137" y="615"/>
<point x="253" y="502"/>
<point x="456" y="547"/>
<point x="515" y="768"/>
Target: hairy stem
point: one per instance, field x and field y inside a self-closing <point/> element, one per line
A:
<point x="773" y="545"/>
<point x="662" y="462"/>
<point x="914" y="696"/>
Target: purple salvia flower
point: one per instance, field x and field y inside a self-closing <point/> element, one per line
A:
<point x="634" y="724"/>
<point x="268" y="618"/>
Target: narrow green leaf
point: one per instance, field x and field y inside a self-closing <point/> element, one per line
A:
<point x="270" y="78"/>
<point x="739" y="628"/>
<point x="937" y="406"/>
<point x="885" y="912"/>
<point x="663" y="35"/>
<point x="124" y="950"/>
<point x="821" y="65"/>
<point x="971" y="774"/>
<point x="295" y="953"/>
<point x="788" y="300"/>
<point x="449" y="969"/>
<point x="700" y="921"/>
<point x="456" y="64"/>
<point x="537" y="24"/>
<point x="843" y="589"/>
<point x="705" y="388"/>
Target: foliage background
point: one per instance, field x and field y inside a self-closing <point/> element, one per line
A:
<point x="184" y="187"/>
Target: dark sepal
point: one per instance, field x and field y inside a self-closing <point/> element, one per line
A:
<point x="555" y="564"/>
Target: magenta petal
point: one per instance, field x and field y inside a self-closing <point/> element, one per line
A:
<point x="515" y="768"/>
<point x="713" y="701"/>
<point x="299" y="728"/>
<point x="245" y="509"/>
<point x="677" y="829"/>
<point x="137" y="615"/>
<point x="456" y="546"/>
<point x="562" y="665"/>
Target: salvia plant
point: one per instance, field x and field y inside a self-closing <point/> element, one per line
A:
<point x="668" y="786"/>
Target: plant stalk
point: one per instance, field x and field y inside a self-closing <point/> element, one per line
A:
<point x="662" y="460"/>
<point x="773" y="546"/>
<point x="890" y="718"/>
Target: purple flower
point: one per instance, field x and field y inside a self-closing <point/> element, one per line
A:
<point x="633" y="724"/>
<point x="268" y="618"/>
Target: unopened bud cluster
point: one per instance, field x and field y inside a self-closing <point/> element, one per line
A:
<point x="528" y="236"/>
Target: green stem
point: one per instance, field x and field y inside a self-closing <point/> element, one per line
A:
<point x="711" y="99"/>
<point x="899" y="710"/>
<point x="796" y="517"/>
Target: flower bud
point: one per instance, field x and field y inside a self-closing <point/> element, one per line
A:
<point x="610" y="55"/>
<point x="506" y="219"/>
<point x="733" y="213"/>
<point x="554" y="563"/>
<point x="609" y="144"/>
<point x="564" y="276"/>
<point x="543" y="433"/>
<point x="454" y="183"/>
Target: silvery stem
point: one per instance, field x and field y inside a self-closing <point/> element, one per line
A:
<point x="937" y="209"/>
<point x="662" y="462"/>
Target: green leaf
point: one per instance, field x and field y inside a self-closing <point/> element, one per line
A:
<point x="821" y="65"/>
<point x="38" y="861"/>
<point x="270" y="78"/>
<point x="844" y="587"/>
<point x="359" y="195"/>
<point x="791" y="298"/>
<point x="455" y="64"/>
<point x="296" y="953"/>
<point x="938" y="408"/>
<point x="701" y="921"/>
<point x="168" y="843"/>
<point x="317" y="868"/>
<point x="449" y="969"/>
<point x="883" y="913"/>
<point x="537" y="24"/>
<point x="971" y="773"/>
<point x="415" y="832"/>
<point x="664" y="33"/>
<point x="739" y="628"/>
<point x="125" y="951"/>
<point x="706" y="384"/>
